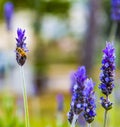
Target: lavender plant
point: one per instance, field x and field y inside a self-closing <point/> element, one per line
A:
<point x="60" y="102"/>
<point x="115" y="10"/>
<point x="78" y="97"/>
<point x="60" y="108"/>
<point x="89" y="111"/>
<point x="115" y="17"/>
<point x="107" y="76"/>
<point x="8" y="13"/>
<point x="21" y="50"/>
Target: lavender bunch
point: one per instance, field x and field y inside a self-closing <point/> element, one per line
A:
<point x="21" y="50"/>
<point x="89" y="111"/>
<point x="107" y="76"/>
<point x="8" y="13"/>
<point x="78" y="97"/>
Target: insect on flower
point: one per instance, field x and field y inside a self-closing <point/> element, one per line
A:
<point x="21" y="52"/>
<point x="20" y="56"/>
<point x="21" y="48"/>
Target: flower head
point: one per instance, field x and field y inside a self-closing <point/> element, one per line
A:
<point x="79" y="93"/>
<point x="106" y="104"/>
<point x="107" y="74"/>
<point x="8" y="13"/>
<point x="115" y="10"/>
<point x="21" y="48"/>
<point x="21" y="38"/>
<point x="89" y="112"/>
<point x="107" y="69"/>
<point x="80" y="75"/>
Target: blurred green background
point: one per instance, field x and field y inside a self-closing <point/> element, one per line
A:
<point x="61" y="35"/>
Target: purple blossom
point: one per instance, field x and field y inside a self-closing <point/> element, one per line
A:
<point x="107" y="71"/>
<point x="106" y="103"/>
<point x="60" y="100"/>
<point x="79" y="93"/>
<point x="80" y="75"/>
<point x="73" y="82"/>
<point x="8" y="13"/>
<point x="21" y="39"/>
<point x="115" y="10"/>
<point x="21" y="48"/>
<point x="89" y="112"/>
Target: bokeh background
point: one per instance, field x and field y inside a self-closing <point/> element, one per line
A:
<point x="61" y="35"/>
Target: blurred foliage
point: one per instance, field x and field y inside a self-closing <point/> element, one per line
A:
<point x="106" y="8"/>
<point x="56" y="55"/>
<point x="39" y="57"/>
<point x="42" y="7"/>
<point x="8" y="117"/>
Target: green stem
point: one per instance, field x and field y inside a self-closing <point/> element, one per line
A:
<point x="75" y="117"/>
<point x="89" y="125"/>
<point x="105" y="118"/>
<point x="25" y="98"/>
<point x="113" y="31"/>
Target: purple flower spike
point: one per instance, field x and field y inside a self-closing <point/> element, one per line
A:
<point x="79" y="93"/>
<point x="89" y="112"/>
<point x="107" y="72"/>
<point x="80" y="75"/>
<point x="21" y="48"/>
<point x="115" y="10"/>
<point x="60" y="100"/>
<point x="108" y="67"/>
<point x="8" y="13"/>
<point x="20" y="40"/>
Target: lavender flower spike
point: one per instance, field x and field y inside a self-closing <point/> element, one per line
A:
<point x="107" y="73"/>
<point x="79" y="93"/>
<point x="21" y="48"/>
<point x="89" y="112"/>
<point x="8" y="13"/>
<point x="115" y="10"/>
<point x="60" y="102"/>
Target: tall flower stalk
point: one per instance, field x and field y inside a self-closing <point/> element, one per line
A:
<point x="107" y="77"/>
<point x="21" y="50"/>
<point x="78" y="96"/>
<point x="89" y="111"/>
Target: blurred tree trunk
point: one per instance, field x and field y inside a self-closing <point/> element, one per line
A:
<point x="91" y="34"/>
<point x="40" y="78"/>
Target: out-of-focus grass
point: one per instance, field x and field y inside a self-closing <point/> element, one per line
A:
<point x="43" y="112"/>
<point x="43" y="108"/>
<point x="46" y="113"/>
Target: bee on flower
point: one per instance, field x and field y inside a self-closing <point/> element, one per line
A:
<point x="21" y="48"/>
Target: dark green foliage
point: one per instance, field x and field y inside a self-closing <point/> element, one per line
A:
<point x="56" y="7"/>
